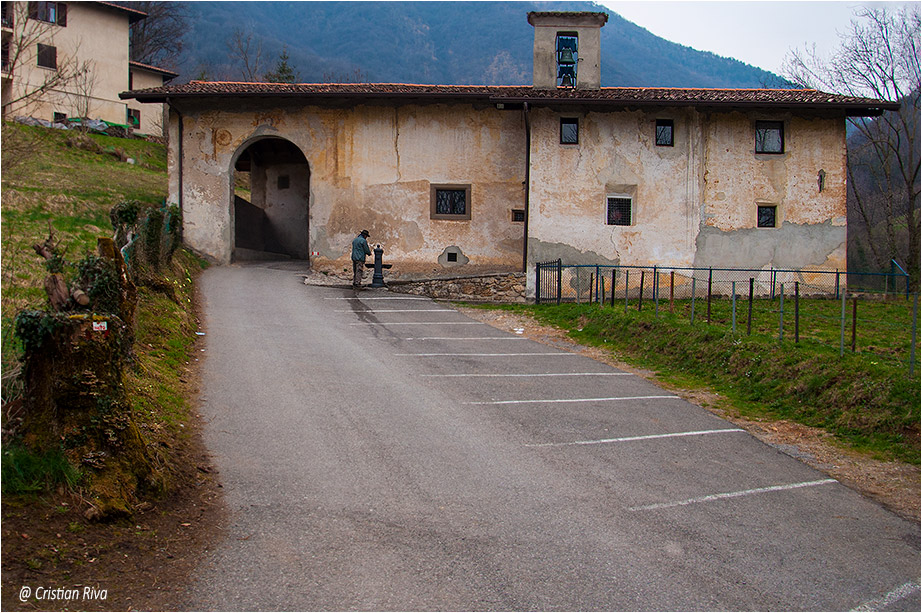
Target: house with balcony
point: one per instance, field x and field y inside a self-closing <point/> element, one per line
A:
<point x="65" y="60"/>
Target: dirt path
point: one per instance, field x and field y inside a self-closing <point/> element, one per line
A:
<point x="895" y="485"/>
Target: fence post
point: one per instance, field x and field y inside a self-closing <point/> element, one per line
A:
<point x="598" y="277"/>
<point x="579" y="287"/>
<point x="602" y="290"/>
<point x="592" y="280"/>
<point x="837" y="283"/>
<point x="559" y="280"/>
<point x="796" y="312"/>
<point x="915" y="329"/>
<point x="693" y="299"/>
<point x="854" y="321"/>
<point x="749" y="321"/>
<point x="773" y="284"/>
<point x="627" y="277"/>
<point x="613" y="281"/>
<point x="733" y="308"/>
<point x="656" y="291"/>
<point x="671" y="291"/>
<point x="537" y="283"/>
<point x="842" y="328"/>
<point x="781" y="316"/>
<point x="640" y="296"/>
<point x="710" y="279"/>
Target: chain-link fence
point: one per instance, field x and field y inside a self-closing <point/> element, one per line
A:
<point x="872" y="313"/>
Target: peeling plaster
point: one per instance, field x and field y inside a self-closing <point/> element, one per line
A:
<point x="789" y="246"/>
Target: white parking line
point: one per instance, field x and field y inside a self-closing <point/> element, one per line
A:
<point x="464" y="338"/>
<point x="713" y="497"/>
<point x="542" y="374"/>
<point x="491" y="355"/>
<point x="883" y="603"/>
<point x="399" y="311"/>
<point x="418" y="323"/>
<point x="625" y="439"/>
<point x="564" y="400"/>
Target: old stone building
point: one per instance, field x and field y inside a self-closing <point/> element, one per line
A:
<point x="492" y="178"/>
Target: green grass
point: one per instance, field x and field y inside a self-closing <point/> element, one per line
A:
<point x="24" y="472"/>
<point x="869" y="403"/>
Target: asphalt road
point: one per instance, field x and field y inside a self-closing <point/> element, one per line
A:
<point x="384" y="452"/>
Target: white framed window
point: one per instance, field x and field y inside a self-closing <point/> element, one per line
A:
<point x="619" y="210"/>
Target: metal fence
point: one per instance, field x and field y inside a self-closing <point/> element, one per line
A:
<point x="872" y="313"/>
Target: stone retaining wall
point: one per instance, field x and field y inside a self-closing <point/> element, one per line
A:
<point x="504" y="287"/>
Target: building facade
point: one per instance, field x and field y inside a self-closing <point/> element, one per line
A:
<point x="470" y="179"/>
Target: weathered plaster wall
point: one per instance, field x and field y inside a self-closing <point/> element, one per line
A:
<point x="370" y="167"/>
<point x="694" y="204"/>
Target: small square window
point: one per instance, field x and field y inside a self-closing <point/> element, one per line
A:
<point x="769" y="137"/>
<point x="518" y="215"/>
<point x="569" y="131"/>
<point x="47" y="56"/>
<point x="767" y="216"/>
<point x="664" y="133"/>
<point x="134" y="118"/>
<point x="452" y="256"/>
<point x="284" y="182"/>
<point x="59" y="117"/>
<point x="450" y="202"/>
<point x="619" y="211"/>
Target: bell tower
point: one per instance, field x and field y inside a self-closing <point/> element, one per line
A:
<point x="567" y="49"/>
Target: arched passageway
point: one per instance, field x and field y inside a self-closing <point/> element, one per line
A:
<point x="270" y="201"/>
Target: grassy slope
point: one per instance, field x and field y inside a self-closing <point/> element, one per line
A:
<point x="73" y="188"/>
<point x="868" y="403"/>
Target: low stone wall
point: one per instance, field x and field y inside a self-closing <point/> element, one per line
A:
<point x="503" y="287"/>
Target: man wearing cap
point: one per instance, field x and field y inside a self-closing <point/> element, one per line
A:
<point x="359" y="251"/>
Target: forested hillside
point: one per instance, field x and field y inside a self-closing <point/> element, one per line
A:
<point x="434" y="42"/>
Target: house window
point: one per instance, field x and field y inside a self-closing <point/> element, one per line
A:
<point x="769" y="137"/>
<point x="6" y="55"/>
<point x="450" y="202"/>
<point x="49" y="12"/>
<point x="569" y="131"/>
<point x="59" y="117"/>
<point x="567" y="57"/>
<point x="767" y="216"/>
<point x="134" y="118"/>
<point x="47" y="56"/>
<point x="619" y="210"/>
<point x="6" y="14"/>
<point x="664" y="133"/>
<point x="518" y="215"/>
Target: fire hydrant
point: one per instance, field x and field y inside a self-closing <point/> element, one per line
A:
<point x="378" y="279"/>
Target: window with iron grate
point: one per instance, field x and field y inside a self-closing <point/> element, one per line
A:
<point x="619" y="211"/>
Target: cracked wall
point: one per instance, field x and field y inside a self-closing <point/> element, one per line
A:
<point x="371" y="167"/>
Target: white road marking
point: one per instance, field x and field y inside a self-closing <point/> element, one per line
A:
<point x="464" y="338"/>
<point x="883" y="603"/>
<point x="399" y="311"/>
<point x="418" y="323"/>
<point x="713" y="497"/>
<point x="548" y="374"/>
<point x="432" y="355"/>
<point x="563" y="400"/>
<point x="625" y="439"/>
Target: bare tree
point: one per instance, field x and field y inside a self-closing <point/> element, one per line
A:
<point x="878" y="58"/>
<point x="246" y="52"/>
<point x="158" y="39"/>
<point x="82" y="87"/>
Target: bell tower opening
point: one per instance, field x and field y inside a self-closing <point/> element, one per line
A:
<point x="270" y="202"/>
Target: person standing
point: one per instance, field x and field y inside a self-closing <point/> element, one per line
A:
<point x="359" y="251"/>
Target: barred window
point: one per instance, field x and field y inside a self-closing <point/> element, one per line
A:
<point x="664" y="133"/>
<point x="569" y="131"/>
<point x="619" y="211"/>
<point x="767" y="216"/>
<point x="450" y="202"/>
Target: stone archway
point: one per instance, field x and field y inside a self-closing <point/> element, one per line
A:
<point x="270" y="201"/>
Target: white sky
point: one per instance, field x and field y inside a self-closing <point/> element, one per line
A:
<point x="757" y="33"/>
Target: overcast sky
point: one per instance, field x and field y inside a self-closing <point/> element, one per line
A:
<point x="758" y="33"/>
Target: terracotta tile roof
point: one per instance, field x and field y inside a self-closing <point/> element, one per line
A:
<point x="161" y="71"/>
<point x="495" y="94"/>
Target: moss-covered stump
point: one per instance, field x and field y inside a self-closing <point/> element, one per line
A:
<point x="75" y="400"/>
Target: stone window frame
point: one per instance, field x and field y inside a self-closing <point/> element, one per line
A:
<point x="760" y="142"/>
<point x="435" y="188"/>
